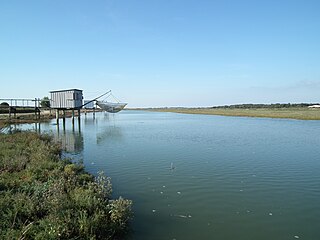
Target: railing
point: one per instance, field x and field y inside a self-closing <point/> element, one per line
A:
<point x="20" y="102"/>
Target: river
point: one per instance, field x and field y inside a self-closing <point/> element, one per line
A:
<point x="203" y="176"/>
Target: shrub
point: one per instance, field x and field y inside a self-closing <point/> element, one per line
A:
<point x="45" y="197"/>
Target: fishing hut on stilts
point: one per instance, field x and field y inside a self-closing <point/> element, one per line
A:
<point x="72" y="99"/>
<point x="65" y="100"/>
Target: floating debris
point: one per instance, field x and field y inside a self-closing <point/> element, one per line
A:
<point x="179" y="215"/>
<point x="153" y="210"/>
<point x="163" y="186"/>
<point x="270" y="214"/>
<point x="296" y="236"/>
<point x="161" y="192"/>
<point x="179" y="192"/>
<point x="241" y="190"/>
<point x="92" y="163"/>
<point x="172" y="167"/>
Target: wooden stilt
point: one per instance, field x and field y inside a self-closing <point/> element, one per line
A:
<point x="72" y="116"/>
<point x="57" y="116"/>
<point x="64" y="116"/>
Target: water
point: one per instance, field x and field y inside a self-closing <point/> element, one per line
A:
<point x="205" y="177"/>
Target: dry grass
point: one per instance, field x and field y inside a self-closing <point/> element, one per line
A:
<point x="302" y="113"/>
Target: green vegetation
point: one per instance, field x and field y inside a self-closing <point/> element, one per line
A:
<point x="45" y="197"/>
<point x="5" y="110"/>
<point x="292" y="112"/>
<point x="4" y="105"/>
<point x="45" y="102"/>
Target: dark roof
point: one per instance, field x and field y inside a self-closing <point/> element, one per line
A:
<point x="66" y="90"/>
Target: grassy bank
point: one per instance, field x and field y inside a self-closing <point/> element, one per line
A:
<point x="303" y="113"/>
<point x="24" y="118"/>
<point x="45" y="197"/>
<point x="29" y="117"/>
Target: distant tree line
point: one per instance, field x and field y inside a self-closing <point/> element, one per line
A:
<point x="274" y="105"/>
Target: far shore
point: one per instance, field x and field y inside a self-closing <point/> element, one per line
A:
<point x="299" y="113"/>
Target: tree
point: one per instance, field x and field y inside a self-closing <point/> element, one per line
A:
<point x="45" y="102"/>
<point x="4" y="105"/>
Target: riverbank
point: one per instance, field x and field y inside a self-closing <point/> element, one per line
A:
<point x="29" y="117"/>
<point x="43" y="196"/>
<point x="301" y="113"/>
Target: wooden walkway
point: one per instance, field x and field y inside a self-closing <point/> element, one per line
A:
<point x="20" y="105"/>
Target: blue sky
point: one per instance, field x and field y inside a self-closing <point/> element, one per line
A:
<point x="163" y="53"/>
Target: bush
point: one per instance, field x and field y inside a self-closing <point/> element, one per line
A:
<point x="45" y="102"/>
<point x="45" y="197"/>
<point x="4" y="105"/>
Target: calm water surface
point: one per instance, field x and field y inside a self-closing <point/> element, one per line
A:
<point x="205" y="177"/>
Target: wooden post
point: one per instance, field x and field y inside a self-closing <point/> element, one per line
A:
<point x="39" y="110"/>
<point x="79" y="114"/>
<point x="64" y="116"/>
<point x="57" y="116"/>
<point x="35" y="107"/>
<point x="72" y="116"/>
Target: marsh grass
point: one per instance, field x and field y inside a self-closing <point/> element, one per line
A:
<point x="45" y="197"/>
<point x="302" y="113"/>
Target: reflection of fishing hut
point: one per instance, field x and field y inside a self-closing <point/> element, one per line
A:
<point x="64" y="100"/>
<point x="71" y="141"/>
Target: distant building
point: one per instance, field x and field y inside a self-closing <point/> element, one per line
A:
<point x="314" y="106"/>
<point x="66" y="99"/>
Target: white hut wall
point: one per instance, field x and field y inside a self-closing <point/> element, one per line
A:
<point x="68" y="99"/>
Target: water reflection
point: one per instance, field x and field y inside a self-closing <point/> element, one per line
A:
<point x="88" y="120"/>
<point x="71" y="141"/>
<point x="110" y="134"/>
<point x="198" y="176"/>
<point x="68" y="135"/>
